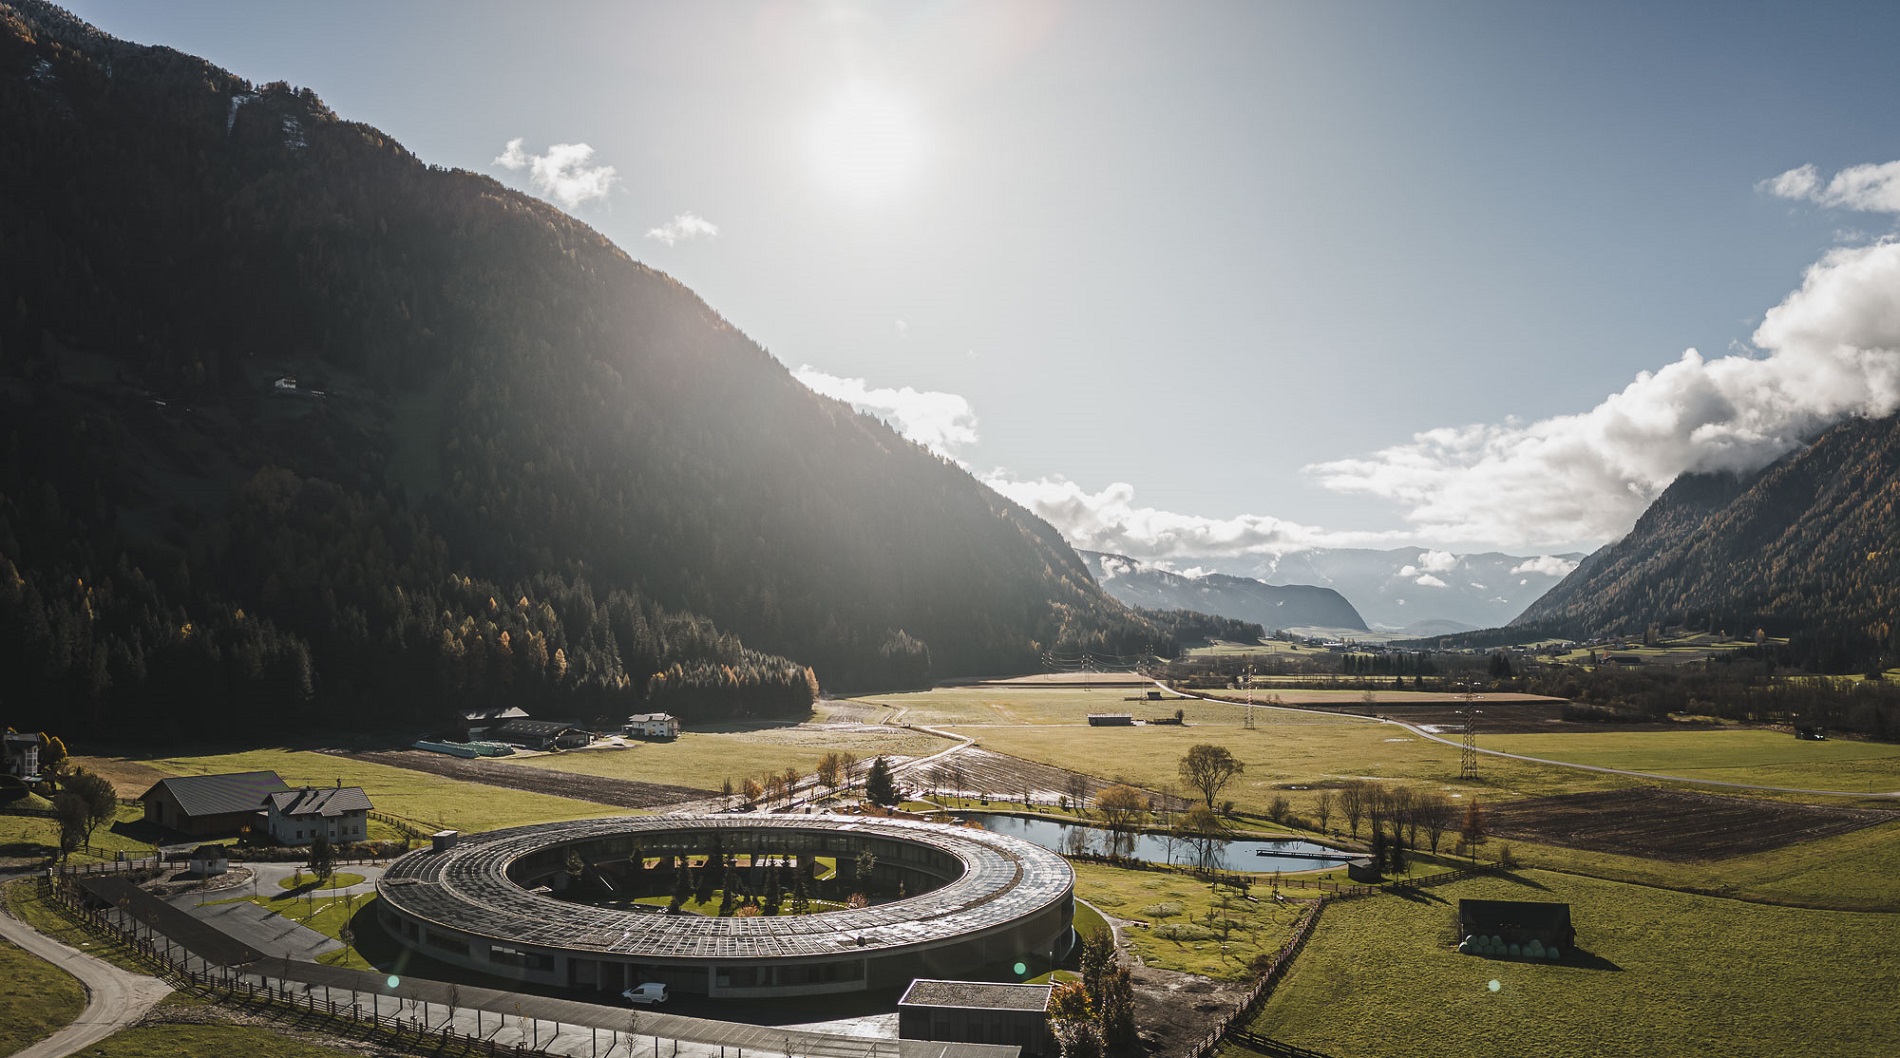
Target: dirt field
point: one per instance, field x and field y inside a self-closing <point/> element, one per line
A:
<point x="624" y="793"/>
<point x="979" y="772"/>
<point x="1174" y="1010"/>
<point x="1673" y="825"/>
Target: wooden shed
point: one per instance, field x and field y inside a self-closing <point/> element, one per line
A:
<point x="976" y="1012"/>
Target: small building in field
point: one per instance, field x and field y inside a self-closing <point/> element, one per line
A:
<point x="297" y="817"/>
<point x="211" y="805"/>
<point x="477" y="722"/>
<point x="1810" y="733"/>
<point x="22" y="756"/>
<point x="1111" y="720"/>
<point x="652" y="725"/>
<point x="209" y="861"/>
<point x="542" y="734"/>
<point x="1518" y="922"/>
<point x="976" y="1012"/>
<point x="1365" y="871"/>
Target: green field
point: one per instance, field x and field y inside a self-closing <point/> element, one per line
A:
<point x="1723" y="754"/>
<point x="702" y="759"/>
<point x="37" y="999"/>
<point x="1673" y="974"/>
<point x="429" y="801"/>
<point x="28" y="840"/>
<point x="196" y="1040"/>
<point x="1187" y="926"/>
<point x="1012" y="706"/>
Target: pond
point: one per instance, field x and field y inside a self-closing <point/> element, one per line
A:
<point x="1236" y="855"/>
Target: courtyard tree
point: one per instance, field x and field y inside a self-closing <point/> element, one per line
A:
<point x="322" y="860"/>
<point x="879" y="787"/>
<point x="1208" y="769"/>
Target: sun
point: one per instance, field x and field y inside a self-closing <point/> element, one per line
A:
<point x="866" y="143"/>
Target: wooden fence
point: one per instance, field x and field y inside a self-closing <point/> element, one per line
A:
<point x="1264" y="984"/>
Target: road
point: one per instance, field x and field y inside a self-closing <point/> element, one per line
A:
<point x="115" y="998"/>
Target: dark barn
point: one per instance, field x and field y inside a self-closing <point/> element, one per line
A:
<point x="1518" y="922"/>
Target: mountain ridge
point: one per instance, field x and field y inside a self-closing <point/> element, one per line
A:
<point x="1240" y="598"/>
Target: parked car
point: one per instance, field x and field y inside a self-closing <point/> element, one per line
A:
<point x="645" y="995"/>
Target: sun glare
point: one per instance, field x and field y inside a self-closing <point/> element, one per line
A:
<point x="866" y="143"/>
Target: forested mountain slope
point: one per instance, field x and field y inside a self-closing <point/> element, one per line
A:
<point x="1808" y="547"/>
<point x="512" y="462"/>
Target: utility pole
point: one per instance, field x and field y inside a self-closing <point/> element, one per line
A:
<point x="1468" y="758"/>
<point x="1247" y="721"/>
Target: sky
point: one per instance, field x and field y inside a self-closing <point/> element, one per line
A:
<point x="1202" y="282"/>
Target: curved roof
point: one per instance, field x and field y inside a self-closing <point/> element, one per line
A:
<point x="467" y="889"/>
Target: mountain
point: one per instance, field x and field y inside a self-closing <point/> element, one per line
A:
<point x="1807" y="547"/>
<point x="1271" y="606"/>
<point x="1398" y="588"/>
<point x="290" y="416"/>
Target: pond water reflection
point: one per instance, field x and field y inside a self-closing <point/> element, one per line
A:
<point x="1235" y="855"/>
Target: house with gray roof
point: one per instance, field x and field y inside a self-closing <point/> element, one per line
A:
<point x="211" y="805"/>
<point x="297" y="817"/>
<point x="976" y="1012"/>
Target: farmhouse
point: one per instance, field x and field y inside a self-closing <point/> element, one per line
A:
<point x="975" y="1012"/>
<point x="542" y="734"/>
<point x="1518" y="922"/>
<point x="297" y="817"/>
<point x="207" y="805"/>
<point x="22" y="756"/>
<point x="652" y="725"/>
<point x="477" y="722"/>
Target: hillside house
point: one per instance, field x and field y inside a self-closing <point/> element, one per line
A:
<point x="542" y="734"/>
<point x="652" y="725"/>
<point x="22" y="756"/>
<point x="211" y="805"/>
<point x="297" y="817"/>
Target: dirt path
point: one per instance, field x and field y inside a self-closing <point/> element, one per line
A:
<point x="115" y="998"/>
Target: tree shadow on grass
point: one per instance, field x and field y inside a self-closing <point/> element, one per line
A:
<point x="1416" y="896"/>
<point x="1516" y="879"/>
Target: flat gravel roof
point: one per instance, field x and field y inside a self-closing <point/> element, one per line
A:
<point x="467" y="889"/>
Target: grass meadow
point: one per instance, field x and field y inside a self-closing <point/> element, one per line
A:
<point x="37" y="999"/>
<point x="1669" y="974"/>
<point x="1185" y="924"/>
<point x="701" y="759"/>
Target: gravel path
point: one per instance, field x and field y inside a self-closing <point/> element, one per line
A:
<point x="115" y="998"/>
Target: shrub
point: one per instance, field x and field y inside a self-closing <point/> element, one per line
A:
<point x="1165" y="909"/>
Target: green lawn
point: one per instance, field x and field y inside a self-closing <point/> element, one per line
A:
<point x="1180" y="935"/>
<point x="1673" y="974"/>
<point x="701" y="759"/>
<point x="1724" y="754"/>
<point x="30" y="840"/>
<point x="430" y="802"/>
<point x="25" y="903"/>
<point x="37" y="999"/>
<point x="339" y="880"/>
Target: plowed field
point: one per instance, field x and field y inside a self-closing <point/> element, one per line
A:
<point x="1675" y="825"/>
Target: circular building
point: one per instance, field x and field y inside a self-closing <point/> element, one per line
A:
<point x="500" y="903"/>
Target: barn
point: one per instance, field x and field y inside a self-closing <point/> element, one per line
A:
<point x="1515" y="927"/>
<point x="211" y="805"/>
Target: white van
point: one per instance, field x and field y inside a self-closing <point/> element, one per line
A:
<point x="645" y="994"/>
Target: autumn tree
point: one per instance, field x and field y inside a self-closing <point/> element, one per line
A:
<point x="827" y="770"/>
<point x="1121" y="807"/>
<point x="1209" y="768"/>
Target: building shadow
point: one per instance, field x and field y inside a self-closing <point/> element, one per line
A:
<point x="1516" y="879"/>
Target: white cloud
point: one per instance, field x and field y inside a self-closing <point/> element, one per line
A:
<point x="941" y="422"/>
<point x="562" y="175"/>
<point x="682" y="227"/>
<point x="1429" y="581"/>
<point x="1546" y="565"/>
<point x="1833" y="351"/>
<point x="1111" y="520"/>
<point x="1438" y="561"/>
<point x="903" y="328"/>
<point x="1871" y="188"/>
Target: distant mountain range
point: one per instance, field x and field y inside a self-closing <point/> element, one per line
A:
<point x="1242" y="598"/>
<point x="1403" y="587"/>
<point x="1808" y="547"/>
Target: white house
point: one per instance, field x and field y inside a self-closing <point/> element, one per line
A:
<point x="652" y="725"/>
<point x="22" y="756"/>
<point x="340" y="813"/>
